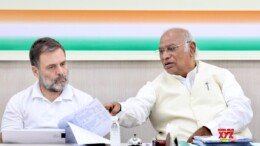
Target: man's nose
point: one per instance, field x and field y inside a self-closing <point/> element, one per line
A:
<point x="166" y="55"/>
<point x="59" y="70"/>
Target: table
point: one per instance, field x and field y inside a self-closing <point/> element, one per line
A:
<point x="123" y="144"/>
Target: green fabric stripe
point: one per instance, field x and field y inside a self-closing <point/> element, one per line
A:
<point x="229" y="44"/>
<point x="134" y="44"/>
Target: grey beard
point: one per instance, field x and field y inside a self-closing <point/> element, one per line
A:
<point x="52" y="85"/>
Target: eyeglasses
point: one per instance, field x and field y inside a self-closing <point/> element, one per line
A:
<point x="171" y="48"/>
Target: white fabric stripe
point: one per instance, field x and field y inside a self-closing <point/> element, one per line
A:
<point x="130" y="5"/>
<point x="124" y="30"/>
<point x="132" y="55"/>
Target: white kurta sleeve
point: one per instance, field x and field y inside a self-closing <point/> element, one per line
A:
<point x="136" y="110"/>
<point x="238" y="113"/>
<point x="12" y="117"/>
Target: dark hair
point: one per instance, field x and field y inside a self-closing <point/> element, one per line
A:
<point x="42" y="45"/>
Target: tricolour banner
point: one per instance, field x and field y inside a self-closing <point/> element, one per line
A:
<point x="129" y="34"/>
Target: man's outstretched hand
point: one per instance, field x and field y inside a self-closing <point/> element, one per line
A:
<point x="113" y="108"/>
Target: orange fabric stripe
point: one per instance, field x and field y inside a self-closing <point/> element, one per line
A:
<point x="129" y="16"/>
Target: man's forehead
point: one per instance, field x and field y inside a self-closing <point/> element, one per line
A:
<point x="52" y="57"/>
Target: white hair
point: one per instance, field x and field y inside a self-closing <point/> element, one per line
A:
<point x="188" y="38"/>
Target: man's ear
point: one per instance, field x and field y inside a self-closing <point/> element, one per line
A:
<point x="35" y="71"/>
<point x="192" y="49"/>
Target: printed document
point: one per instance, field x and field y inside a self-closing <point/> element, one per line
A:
<point x="93" y="118"/>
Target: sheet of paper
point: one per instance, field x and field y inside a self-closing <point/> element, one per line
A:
<point x="83" y="136"/>
<point x="211" y="139"/>
<point x="93" y="117"/>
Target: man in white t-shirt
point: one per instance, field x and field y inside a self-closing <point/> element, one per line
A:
<point x="51" y="98"/>
<point x="196" y="97"/>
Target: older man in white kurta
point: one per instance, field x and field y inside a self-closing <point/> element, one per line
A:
<point x="196" y="97"/>
<point x="214" y="100"/>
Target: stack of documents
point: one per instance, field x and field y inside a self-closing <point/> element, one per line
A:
<point x="215" y="141"/>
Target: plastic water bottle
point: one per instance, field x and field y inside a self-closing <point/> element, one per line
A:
<point x="115" y="132"/>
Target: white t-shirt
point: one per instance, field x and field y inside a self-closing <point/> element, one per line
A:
<point x="29" y="109"/>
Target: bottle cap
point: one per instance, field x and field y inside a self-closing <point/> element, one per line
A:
<point x="114" y="118"/>
<point x="134" y="141"/>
